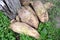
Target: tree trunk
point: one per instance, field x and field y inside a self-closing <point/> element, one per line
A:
<point x="10" y="7"/>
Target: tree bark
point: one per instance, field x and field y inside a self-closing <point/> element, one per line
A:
<point x="10" y="7"/>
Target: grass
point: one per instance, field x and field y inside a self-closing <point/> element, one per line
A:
<point x="47" y="30"/>
<point x="5" y="32"/>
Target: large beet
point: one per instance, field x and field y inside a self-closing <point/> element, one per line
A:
<point x="23" y="28"/>
<point x="28" y="17"/>
<point x="30" y="9"/>
<point x="40" y="10"/>
<point x="48" y="5"/>
<point x="25" y="2"/>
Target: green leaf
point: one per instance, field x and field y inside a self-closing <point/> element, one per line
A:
<point x="49" y="39"/>
<point x="44" y="33"/>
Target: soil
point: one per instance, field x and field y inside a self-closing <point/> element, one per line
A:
<point x="58" y="21"/>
